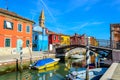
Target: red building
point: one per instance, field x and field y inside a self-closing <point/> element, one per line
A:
<point x="77" y="39"/>
<point x="53" y="40"/>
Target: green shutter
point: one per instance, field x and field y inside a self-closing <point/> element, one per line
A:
<point x="27" y="43"/>
<point x="4" y="24"/>
<point x="7" y="42"/>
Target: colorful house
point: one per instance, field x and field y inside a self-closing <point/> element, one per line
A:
<point x="92" y="41"/>
<point x="40" y="37"/>
<point x="78" y="39"/>
<point x="14" y="30"/>
<point x="64" y="39"/>
<point x="115" y="35"/>
<point x="54" y="40"/>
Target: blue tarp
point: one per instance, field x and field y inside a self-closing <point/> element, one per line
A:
<point x="43" y="62"/>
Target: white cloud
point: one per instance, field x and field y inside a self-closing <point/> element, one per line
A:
<point x="97" y="22"/>
<point x="80" y="26"/>
<point x="74" y="4"/>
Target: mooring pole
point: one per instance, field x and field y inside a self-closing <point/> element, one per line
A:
<point x="16" y="64"/>
<point x="21" y="67"/>
<point x="87" y="64"/>
<point x="87" y="60"/>
<point x="96" y="60"/>
<point x="30" y="54"/>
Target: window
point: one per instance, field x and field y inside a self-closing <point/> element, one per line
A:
<point x="28" y="29"/>
<point x="8" y="25"/>
<point x="54" y="37"/>
<point x="58" y="37"/>
<point x="7" y="42"/>
<point x="27" y="43"/>
<point x="36" y="37"/>
<point x="19" y="27"/>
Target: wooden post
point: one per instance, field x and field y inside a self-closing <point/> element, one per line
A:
<point x="87" y="59"/>
<point x="30" y="54"/>
<point x="21" y="67"/>
<point x="95" y="60"/>
<point x="87" y="64"/>
<point x="16" y="64"/>
<point x="98" y="62"/>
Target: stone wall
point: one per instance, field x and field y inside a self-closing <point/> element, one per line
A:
<point x="9" y="51"/>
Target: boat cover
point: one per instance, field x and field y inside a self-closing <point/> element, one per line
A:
<point x="43" y="61"/>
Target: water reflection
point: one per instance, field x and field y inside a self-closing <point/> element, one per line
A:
<point x="57" y="72"/>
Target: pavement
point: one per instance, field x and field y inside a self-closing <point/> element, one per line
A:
<point x="13" y="57"/>
<point x="116" y="74"/>
<point x="113" y="72"/>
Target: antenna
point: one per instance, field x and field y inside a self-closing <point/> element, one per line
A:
<point x="6" y="4"/>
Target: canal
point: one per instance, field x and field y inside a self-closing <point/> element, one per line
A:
<point x="57" y="72"/>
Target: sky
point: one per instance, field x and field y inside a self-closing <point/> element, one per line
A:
<point x="90" y="17"/>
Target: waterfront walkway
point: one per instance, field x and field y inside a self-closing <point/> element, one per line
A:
<point x="113" y="73"/>
<point x="35" y="54"/>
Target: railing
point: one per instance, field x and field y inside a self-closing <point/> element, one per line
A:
<point x="104" y="43"/>
<point x="108" y="44"/>
<point x="100" y="43"/>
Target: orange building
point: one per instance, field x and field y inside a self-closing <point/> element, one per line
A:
<point x="92" y="41"/>
<point x="115" y="35"/>
<point x="12" y="28"/>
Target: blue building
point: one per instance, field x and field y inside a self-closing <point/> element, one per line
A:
<point x="39" y="36"/>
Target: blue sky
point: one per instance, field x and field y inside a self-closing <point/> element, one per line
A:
<point x="92" y="17"/>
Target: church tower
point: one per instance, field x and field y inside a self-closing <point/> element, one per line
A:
<point x="42" y="19"/>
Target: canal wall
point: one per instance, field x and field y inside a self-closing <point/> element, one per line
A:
<point x="11" y="63"/>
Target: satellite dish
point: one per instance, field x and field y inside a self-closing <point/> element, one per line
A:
<point x="19" y="45"/>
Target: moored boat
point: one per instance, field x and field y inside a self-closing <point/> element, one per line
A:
<point x="44" y="63"/>
<point x="94" y="74"/>
<point x="77" y="56"/>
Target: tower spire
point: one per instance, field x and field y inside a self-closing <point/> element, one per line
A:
<point x="42" y="19"/>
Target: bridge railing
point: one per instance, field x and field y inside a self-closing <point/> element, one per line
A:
<point x="108" y="44"/>
<point x="104" y="43"/>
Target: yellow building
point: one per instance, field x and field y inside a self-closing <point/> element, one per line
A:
<point x="64" y="39"/>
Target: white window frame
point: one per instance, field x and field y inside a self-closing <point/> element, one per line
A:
<point x="8" y="23"/>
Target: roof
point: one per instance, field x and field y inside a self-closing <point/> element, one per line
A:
<point x="37" y="28"/>
<point x="14" y="15"/>
<point x="51" y="32"/>
<point x="63" y="34"/>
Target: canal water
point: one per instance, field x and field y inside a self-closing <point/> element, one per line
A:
<point x="57" y="72"/>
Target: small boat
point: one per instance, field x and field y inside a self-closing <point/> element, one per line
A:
<point x="94" y="74"/>
<point x="48" y="69"/>
<point x="77" y="56"/>
<point x="77" y="60"/>
<point x="44" y="63"/>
